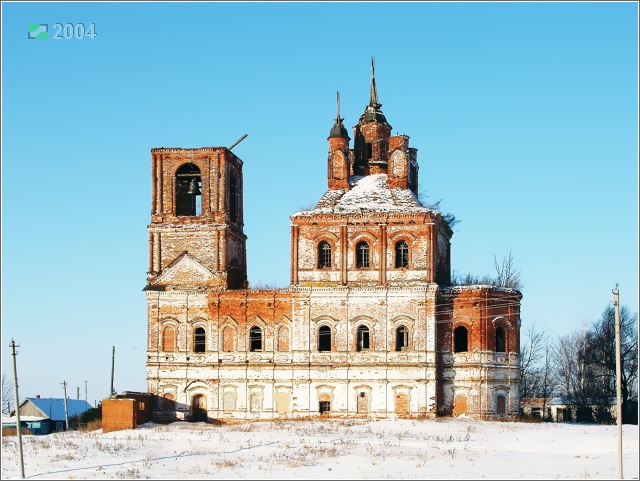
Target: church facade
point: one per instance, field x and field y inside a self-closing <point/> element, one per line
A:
<point x="369" y="325"/>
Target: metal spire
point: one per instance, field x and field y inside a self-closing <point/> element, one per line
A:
<point x="373" y="101"/>
<point x="338" y="129"/>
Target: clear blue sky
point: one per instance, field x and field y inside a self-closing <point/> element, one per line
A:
<point x="525" y="117"/>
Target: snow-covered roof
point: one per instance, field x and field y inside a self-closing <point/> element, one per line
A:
<point x="477" y="286"/>
<point x="370" y="193"/>
<point x="23" y="419"/>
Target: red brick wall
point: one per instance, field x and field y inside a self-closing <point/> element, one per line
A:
<point x="119" y="414"/>
<point x="481" y="310"/>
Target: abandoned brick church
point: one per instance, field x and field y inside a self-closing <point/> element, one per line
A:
<point x="368" y="326"/>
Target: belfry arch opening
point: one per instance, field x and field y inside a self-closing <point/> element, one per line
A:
<point x="460" y="341"/>
<point x="188" y="199"/>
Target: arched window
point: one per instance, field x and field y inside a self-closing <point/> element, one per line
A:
<point x="199" y="408"/>
<point x="402" y="254"/>
<point x="324" y="255"/>
<point x="500" y="345"/>
<point x="324" y="338"/>
<point x="255" y="339"/>
<point x="402" y="338"/>
<point x="501" y="407"/>
<point x="460" y="339"/>
<point x="362" y="255"/>
<point x="188" y="196"/>
<point x="199" y="340"/>
<point x="169" y="339"/>
<point x="362" y="343"/>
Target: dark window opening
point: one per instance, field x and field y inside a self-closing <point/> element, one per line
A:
<point x="255" y="335"/>
<point x="200" y="340"/>
<point x="233" y="199"/>
<point x="402" y="254"/>
<point x="369" y="150"/>
<point x="325" y="406"/>
<point x="362" y="339"/>
<point x="188" y="194"/>
<point x="502" y="405"/>
<point x="324" y="338"/>
<point x="402" y="338"/>
<point x="362" y="255"/>
<point x="460" y="339"/>
<point x="500" y="347"/>
<point x="324" y="255"/>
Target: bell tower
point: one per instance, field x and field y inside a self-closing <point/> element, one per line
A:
<point x="371" y="142"/>
<point x="196" y="220"/>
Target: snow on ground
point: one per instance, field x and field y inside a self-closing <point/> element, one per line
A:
<point x="461" y="448"/>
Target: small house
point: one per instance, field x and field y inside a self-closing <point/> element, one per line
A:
<point x="47" y="415"/>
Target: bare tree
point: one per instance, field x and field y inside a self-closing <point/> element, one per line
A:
<point x="506" y="276"/>
<point x="600" y="356"/>
<point x="537" y="369"/>
<point x="529" y="357"/>
<point x="546" y="374"/>
<point x="506" y="273"/>
<point x="568" y="359"/>
<point x="7" y="394"/>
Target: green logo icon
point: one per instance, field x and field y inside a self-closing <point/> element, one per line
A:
<point x="38" y="31"/>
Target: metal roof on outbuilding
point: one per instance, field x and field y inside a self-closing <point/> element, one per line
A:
<point x="53" y="408"/>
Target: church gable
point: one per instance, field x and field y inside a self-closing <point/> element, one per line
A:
<point x="184" y="272"/>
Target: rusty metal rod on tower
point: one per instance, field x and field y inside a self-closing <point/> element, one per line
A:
<point x="238" y="141"/>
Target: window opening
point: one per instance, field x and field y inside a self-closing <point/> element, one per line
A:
<point x="324" y="338"/>
<point x="324" y="255"/>
<point x="325" y="406"/>
<point x="500" y="345"/>
<point x="402" y="254"/>
<point x="460" y="339"/>
<point x="362" y="255"/>
<point x="402" y="338"/>
<point x="369" y="150"/>
<point x="199" y="341"/>
<point x="188" y="200"/>
<point x="502" y="405"/>
<point x="255" y="335"/>
<point x="233" y="198"/>
<point x="363" y="338"/>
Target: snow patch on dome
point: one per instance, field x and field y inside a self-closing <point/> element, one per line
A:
<point x="370" y="193"/>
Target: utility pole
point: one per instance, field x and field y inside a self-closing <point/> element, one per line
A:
<point x="616" y="305"/>
<point x="78" y="393"/>
<point x="85" y="391"/>
<point x="113" y="362"/>
<point x="17" y="403"/>
<point x="66" y="415"/>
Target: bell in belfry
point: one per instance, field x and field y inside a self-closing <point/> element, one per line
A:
<point x="194" y="188"/>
